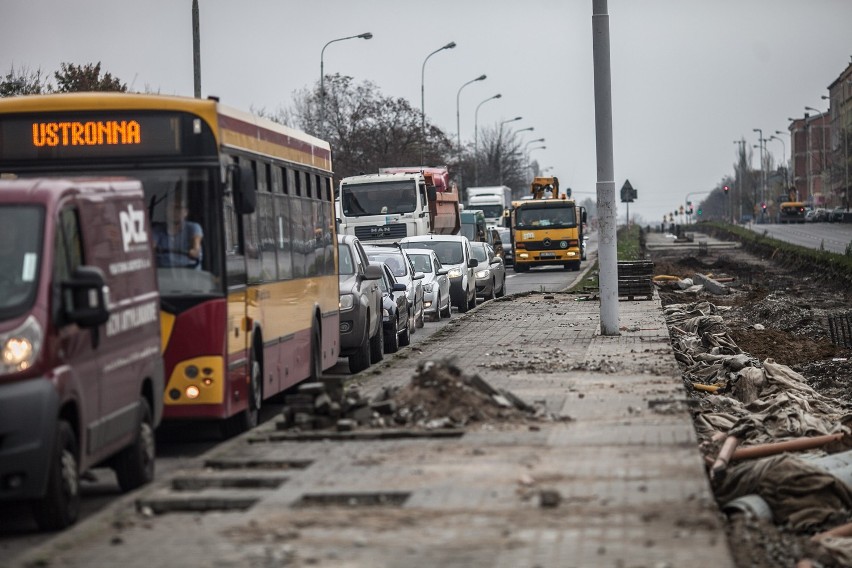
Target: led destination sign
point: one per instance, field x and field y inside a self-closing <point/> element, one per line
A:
<point x="91" y="133"/>
<point x="96" y="135"/>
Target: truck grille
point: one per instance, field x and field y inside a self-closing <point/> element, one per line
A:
<point x="377" y="232"/>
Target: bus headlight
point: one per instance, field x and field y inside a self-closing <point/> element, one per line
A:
<point x="21" y="346"/>
<point x="347" y="302"/>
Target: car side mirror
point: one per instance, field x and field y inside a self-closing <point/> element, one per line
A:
<point x="419" y="276"/>
<point x="442" y="271"/>
<point x="472" y="263"/>
<point x="373" y="272"/>
<point x="399" y="287"/>
<point x="85" y="297"/>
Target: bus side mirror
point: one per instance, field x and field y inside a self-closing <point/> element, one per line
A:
<point x="85" y="297"/>
<point x="245" y="192"/>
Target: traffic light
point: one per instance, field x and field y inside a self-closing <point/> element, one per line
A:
<point x="699" y="211"/>
<point x="763" y="206"/>
<point x="726" y="189"/>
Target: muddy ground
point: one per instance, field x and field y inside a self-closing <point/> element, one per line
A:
<point x="792" y="305"/>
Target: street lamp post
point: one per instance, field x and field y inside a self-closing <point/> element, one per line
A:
<point x="450" y="45"/>
<point x="784" y="150"/>
<point x="532" y="142"/>
<point x="476" y="138"/>
<point x="365" y="35"/>
<point x="458" y="126"/>
<point x="500" y="153"/>
<point x="762" y="168"/>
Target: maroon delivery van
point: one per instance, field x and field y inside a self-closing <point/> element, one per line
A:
<point x="81" y="374"/>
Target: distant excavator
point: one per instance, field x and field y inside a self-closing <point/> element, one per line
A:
<point x="545" y="187"/>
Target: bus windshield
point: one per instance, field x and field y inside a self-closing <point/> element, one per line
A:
<point x="184" y="222"/>
<point x="21" y="229"/>
<point x="538" y="217"/>
<point x="363" y="199"/>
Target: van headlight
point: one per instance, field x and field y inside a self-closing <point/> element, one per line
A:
<point x="347" y="302"/>
<point x="21" y="346"/>
<point x="455" y="272"/>
<point x="428" y="287"/>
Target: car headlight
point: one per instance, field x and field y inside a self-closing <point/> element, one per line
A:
<point x="483" y="273"/>
<point x="385" y="314"/>
<point x="454" y="272"/>
<point x="21" y="346"/>
<point x="428" y="287"/>
<point x="347" y="302"/>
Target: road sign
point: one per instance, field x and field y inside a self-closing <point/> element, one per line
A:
<point x="628" y="194"/>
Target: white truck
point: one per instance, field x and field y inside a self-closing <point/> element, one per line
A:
<point x="397" y="203"/>
<point x="494" y="202"/>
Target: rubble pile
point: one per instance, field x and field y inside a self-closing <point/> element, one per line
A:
<point x="439" y="395"/>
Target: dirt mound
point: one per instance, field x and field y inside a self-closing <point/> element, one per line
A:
<point x="441" y="395"/>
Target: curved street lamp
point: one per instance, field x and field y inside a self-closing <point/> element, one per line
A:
<point x="458" y="124"/>
<point x="532" y="142"/>
<point x="365" y="35"/>
<point x="450" y="45"/>
<point x="476" y="138"/>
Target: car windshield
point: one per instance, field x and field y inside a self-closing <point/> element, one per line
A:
<point x="378" y="198"/>
<point x="422" y="262"/>
<point x="21" y="229"/>
<point x="448" y="252"/>
<point x="395" y="261"/>
<point x="477" y="251"/>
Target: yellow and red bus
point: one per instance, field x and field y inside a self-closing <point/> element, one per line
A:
<point x="251" y="311"/>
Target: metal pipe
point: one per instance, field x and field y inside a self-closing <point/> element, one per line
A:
<point x="763" y="450"/>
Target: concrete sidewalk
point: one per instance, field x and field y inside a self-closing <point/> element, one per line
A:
<point x="620" y="484"/>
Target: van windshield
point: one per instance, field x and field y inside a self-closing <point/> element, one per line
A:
<point x="21" y="230"/>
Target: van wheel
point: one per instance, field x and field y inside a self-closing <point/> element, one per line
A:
<point x="377" y="345"/>
<point x="134" y="465"/>
<point x="438" y="313"/>
<point x="471" y="303"/>
<point x="60" y="505"/>
<point x="449" y="312"/>
<point x="248" y="418"/>
<point x="360" y="360"/>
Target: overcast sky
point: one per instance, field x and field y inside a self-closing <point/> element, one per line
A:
<point x="688" y="76"/>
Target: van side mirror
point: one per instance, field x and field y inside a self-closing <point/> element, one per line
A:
<point x="245" y="188"/>
<point x="85" y="297"/>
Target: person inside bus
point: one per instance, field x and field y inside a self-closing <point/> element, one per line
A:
<point x="177" y="242"/>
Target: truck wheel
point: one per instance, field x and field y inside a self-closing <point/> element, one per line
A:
<point x="360" y="360"/>
<point x="60" y="505"/>
<point x="520" y="268"/>
<point x="134" y="465"/>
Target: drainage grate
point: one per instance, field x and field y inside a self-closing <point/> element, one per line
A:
<point x="840" y="328"/>
<point x="257" y="464"/>
<point x="200" y="483"/>
<point x="358" y="435"/>
<point x="196" y="504"/>
<point x="391" y="499"/>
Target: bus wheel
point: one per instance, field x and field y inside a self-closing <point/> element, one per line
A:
<point x="134" y="465"/>
<point x="316" y="354"/>
<point x="60" y="505"/>
<point x="248" y="418"/>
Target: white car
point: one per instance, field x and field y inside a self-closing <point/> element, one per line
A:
<point x="436" y="283"/>
<point x="454" y="253"/>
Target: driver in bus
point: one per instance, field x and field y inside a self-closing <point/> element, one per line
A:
<point x="177" y="242"/>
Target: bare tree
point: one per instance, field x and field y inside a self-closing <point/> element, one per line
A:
<point x="76" y="78"/>
<point x="22" y="81"/>
<point x="500" y="160"/>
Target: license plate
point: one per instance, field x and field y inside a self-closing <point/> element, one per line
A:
<point x="547" y="255"/>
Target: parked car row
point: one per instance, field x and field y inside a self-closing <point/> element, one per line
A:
<point x="387" y="291"/>
<point x="821" y="215"/>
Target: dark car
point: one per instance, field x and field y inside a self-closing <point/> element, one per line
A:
<point x="403" y="270"/>
<point x="506" y="242"/>
<point x="395" y="312"/>
<point x="361" y="337"/>
<point x="491" y="272"/>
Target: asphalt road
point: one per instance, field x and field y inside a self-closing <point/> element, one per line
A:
<point x="833" y="237"/>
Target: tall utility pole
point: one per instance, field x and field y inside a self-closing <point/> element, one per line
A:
<point x="196" y="49"/>
<point x="605" y="186"/>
